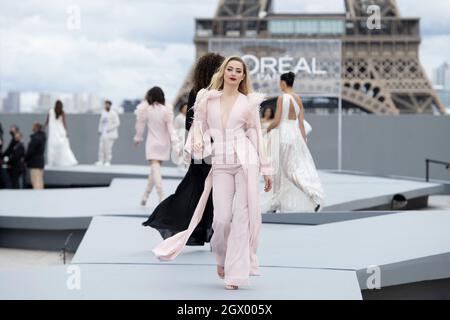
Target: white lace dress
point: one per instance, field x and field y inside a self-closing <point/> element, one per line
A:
<point x="59" y="153"/>
<point x="266" y="139"/>
<point x="297" y="186"/>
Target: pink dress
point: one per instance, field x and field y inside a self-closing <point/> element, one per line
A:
<point x="160" y="133"/>
<point x="246" y="144"/>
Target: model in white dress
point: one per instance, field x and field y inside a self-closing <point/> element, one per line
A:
<point x="265" y="123"/>
<point x="59" y="153"/>
<point x="297" y="186"/>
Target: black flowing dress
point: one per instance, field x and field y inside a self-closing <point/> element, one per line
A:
<point x="175" y="212"/>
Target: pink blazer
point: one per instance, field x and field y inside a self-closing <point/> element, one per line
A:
<point x="160" y="133"/>
<point x="246" y="142"/>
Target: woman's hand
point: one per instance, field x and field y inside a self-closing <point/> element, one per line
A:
<point x="136" y="143"/>
<point x="267" y="183"/>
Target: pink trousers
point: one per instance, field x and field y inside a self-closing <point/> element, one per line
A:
<point x="230" y="241"/>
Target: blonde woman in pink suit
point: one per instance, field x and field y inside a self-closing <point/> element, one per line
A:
<point x="229" y="114"/>
<point x="154" y="114"/>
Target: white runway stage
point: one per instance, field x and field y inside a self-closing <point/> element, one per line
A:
<point x="303" y="256"/>
<point x="121" y="196"/>
<point x="298" y="262"/>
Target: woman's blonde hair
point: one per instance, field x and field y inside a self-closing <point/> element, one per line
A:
<point x="217" y="82"/>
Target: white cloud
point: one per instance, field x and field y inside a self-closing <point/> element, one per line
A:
<point x="124" y="47"/>
<point x="114" y="69"/>
<point x="433" y="13"/>
<point x="434" y="51"/>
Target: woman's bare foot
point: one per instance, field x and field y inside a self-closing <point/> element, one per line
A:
<point x="231" y="287"/>
<point x="221" y="272"/>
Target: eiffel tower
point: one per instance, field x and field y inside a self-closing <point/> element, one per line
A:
<point x="381" y="70"/>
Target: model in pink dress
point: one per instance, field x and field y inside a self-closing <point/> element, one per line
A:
<point x="230" y="116"/>
<point x="158" y="118"/>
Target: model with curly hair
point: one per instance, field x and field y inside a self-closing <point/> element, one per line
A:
<point x="175" y="212"/>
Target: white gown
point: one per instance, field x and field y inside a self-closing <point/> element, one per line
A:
<point x="266" y="139"/>
<point x="296" y="183"/>
<point x="59" y="153"/>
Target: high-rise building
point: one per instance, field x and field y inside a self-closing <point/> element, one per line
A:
<point x="441" y="76"/>
<point x="45" y="102"/>
<point x="11" y="103"/>
<point x="79" y="103"/>
<point x="94" y="104"/>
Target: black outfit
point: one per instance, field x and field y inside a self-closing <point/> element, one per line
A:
<point x="16" y="166"/>
<point x="174" y="214"/>
<point x="10" y="148"/>
<point x="1" y="140"/>
<point x="2" y="179"/>
<point x="34" y="157"/>
<point x="5" y="174"/>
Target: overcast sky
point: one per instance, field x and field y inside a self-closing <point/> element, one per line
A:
<point x="125" y="47"/>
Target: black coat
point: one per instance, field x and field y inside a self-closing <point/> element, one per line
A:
<point x="34" y="157"/>
<point x="10" y="148"/>
<point x="190" y="110"/>
<point x="16" y="157"/>
<point x="1" y="140"/>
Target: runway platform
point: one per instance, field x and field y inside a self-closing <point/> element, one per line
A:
<point x="44" y="219"/>
<point x="176" y="282"/>
<point x="345" y="192"/>
<point x="92" y="175"/>
<point x="405" y="246"/>
<point x="326" y="255"/>
<point x="330" y="261"/>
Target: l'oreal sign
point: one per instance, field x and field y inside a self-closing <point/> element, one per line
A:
<point x="317" y="63"/>
<point x="272" y="66"/>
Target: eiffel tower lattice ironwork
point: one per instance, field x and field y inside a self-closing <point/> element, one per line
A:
<point x="381" y="70"/>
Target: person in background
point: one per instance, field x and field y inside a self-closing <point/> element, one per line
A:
<point x="154" y="114"/>
<point x="15" y="161"/>
<point x="297" y="185"/>
<point x="12" y="131"/>
<point x="267" y="118"/>
<point x="108" y="128"/>
<point x="2" y="180"/>
<point x="34" y="157"/>
<point x="5" y="156"/>
<point x="1" y="139"/>
<point x="59" y="153"/>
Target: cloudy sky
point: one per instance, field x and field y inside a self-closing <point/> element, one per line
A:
<point x="125" y="46"/>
